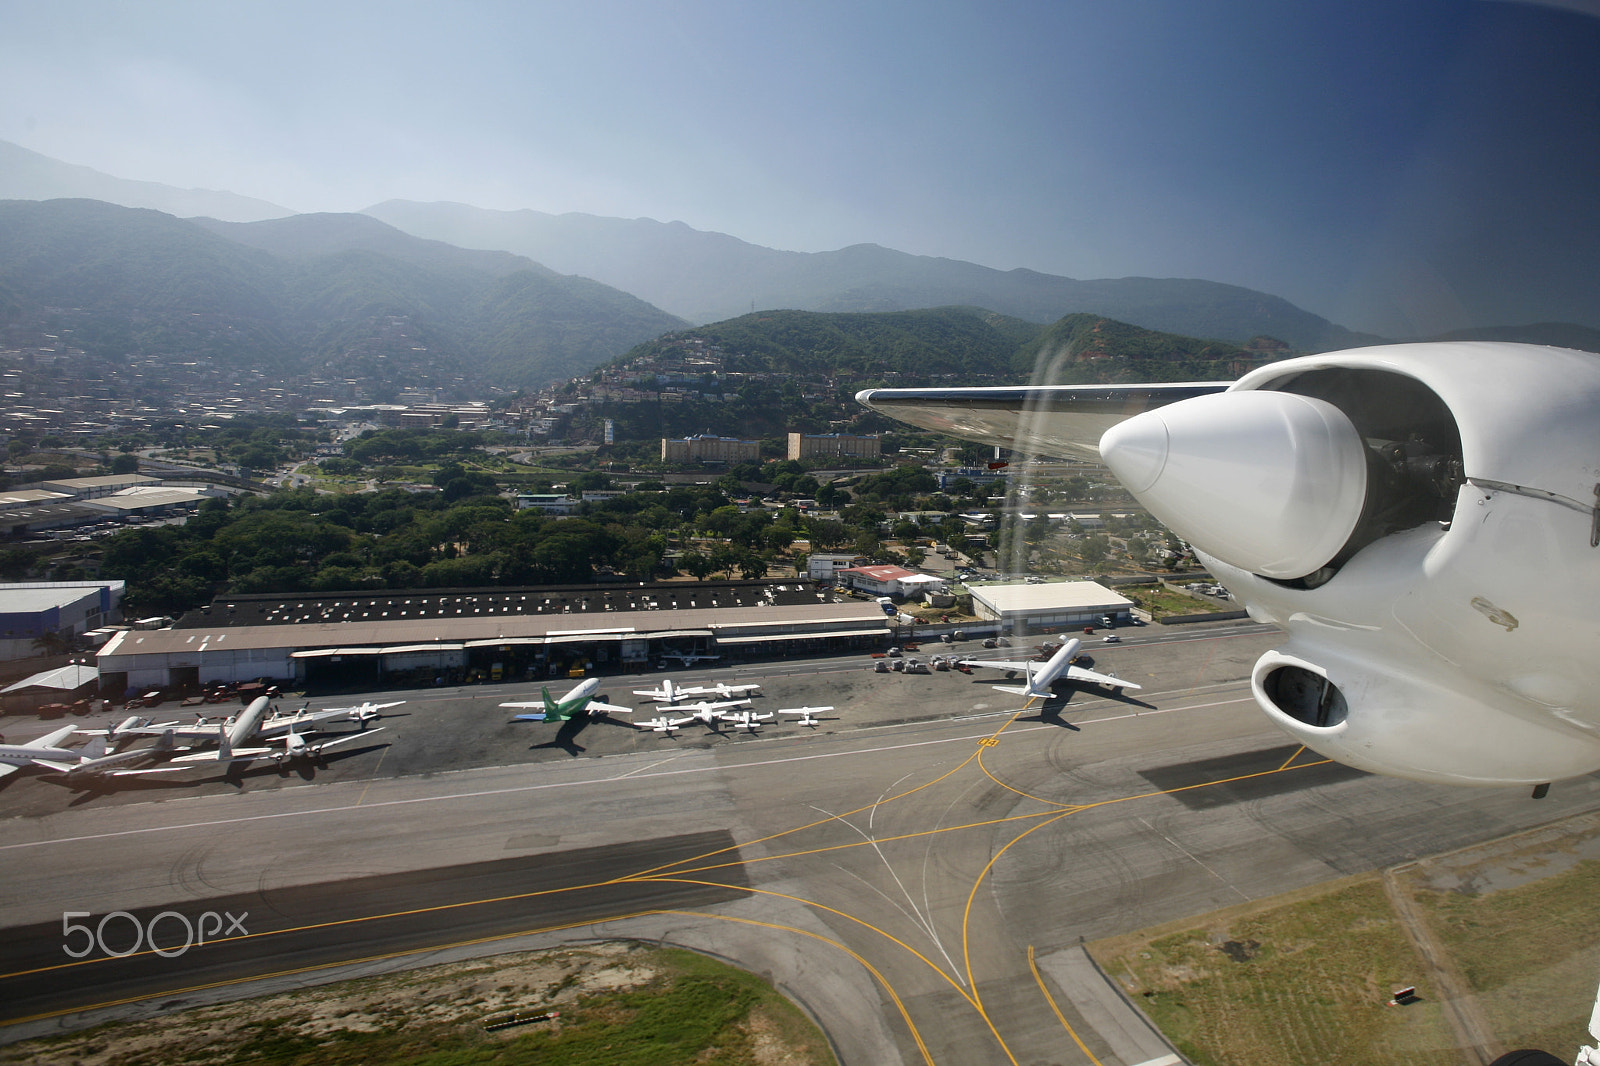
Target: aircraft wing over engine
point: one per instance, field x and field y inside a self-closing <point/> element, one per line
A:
<point x="1422" y="520"/>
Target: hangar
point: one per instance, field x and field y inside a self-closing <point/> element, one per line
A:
<point x="1051" y="605"/>
<point x="417" y="650"/>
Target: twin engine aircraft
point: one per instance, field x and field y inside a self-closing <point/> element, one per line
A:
<point x="579" y="701"/>
<point x="1421" y="520"/>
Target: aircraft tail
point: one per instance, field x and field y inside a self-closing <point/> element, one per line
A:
<point x="1021" y="690"/>
<point x="94" y="749"/>
<point x="552" y="709"/>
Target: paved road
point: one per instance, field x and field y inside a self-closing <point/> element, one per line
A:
<point x="915" y="873"/>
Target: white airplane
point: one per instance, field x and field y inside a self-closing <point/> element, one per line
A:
<point x="250" y="724"/>
<point x="808" y="715"/>
<point x="686" y="660"/>
<point x="94" y="764"/>
<point x="667" y="693"/>
<point x="14" y="757"/>
<point x="368" y="711"/>
<point x="579" y="701"/>
<point x="668" y="726"/>
<point x="749" y="721"/>
<point x="130" y="727"/>
<point x="722" y="689"/>
<point x="295" y="745"/>
<point x="707" y="713"/>
<point x="1419" y="519"/>
<point x="1038" y="678"/>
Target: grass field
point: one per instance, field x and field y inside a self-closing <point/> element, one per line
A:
<point x="1302" y="981"/>
<point x="620" y="1005"/>
<point x="1530" y="953"/>
<point x="1307" y="977"/>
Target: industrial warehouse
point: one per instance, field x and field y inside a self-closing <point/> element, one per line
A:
<point x="444" y="636"/>
<point x="1050" y="605"/>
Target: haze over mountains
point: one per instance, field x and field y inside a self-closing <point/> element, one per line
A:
<point x="707" y="277"/>
<point x="342" y="296"/>
<point x="512" y="298"/>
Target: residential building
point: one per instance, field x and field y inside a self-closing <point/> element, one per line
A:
<point x="704" y="448"/>
<point x="807" y="445"/>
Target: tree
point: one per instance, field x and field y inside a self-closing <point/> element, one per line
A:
<point x="125" y="464"/>
<point x="696" y="565"/>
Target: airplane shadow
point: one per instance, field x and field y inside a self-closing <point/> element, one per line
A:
<point x="566" y="737"/>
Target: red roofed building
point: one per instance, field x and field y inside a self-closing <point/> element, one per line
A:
<point x="888" y="580"/>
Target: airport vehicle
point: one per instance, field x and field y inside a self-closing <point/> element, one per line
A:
<point x="578" y="701"/>
<point x="1419" y="519"/>
<point x="808" y="715"/>
<point x="1039" y="678"/>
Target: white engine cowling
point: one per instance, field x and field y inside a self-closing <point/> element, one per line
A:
<point x="1421" y="520"/>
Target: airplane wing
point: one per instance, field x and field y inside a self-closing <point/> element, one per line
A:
<point x="345" y="738"/>
<point x="1000" y="664"/>
<point x="1064" y="420"/>
<point x="237" y="755"/>
<point x="608" y="708"/>
<point x="519" y="704"/>
<point x="1078" y="673"/>
<point x="51" y="740"/>
<point x="539" y="717"/>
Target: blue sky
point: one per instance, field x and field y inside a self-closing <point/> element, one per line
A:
<point x="1398" y="166"/>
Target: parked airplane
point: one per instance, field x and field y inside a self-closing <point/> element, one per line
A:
<point x="1040" y="677"/>
<point x="14" y="757"/>
<point x="720" y="689"/>
<point x="749" y="721"/>
<point x="707" y="713"/>
<point x="668" y="726"/>
<point x="249" y="724"/>
<point x="667" y="693"/>
<point x="808" y="715"/>
<point x="369" y="711"/>
<point x="686" y="660"/>
<point x="94" y="764"/>
<point x="580" y="700"/>
<point x="129" y="728"/>
<point x="295" y="745"/>
<point x="1419" y="519"/>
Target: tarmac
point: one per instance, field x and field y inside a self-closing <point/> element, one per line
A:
<point x="919" y="871"/>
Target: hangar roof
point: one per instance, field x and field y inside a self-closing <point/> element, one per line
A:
<point x="484" y="630"/>
<point x="1049" y="596"/>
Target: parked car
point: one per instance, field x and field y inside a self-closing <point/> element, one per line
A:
<point x="1112" y="639"/>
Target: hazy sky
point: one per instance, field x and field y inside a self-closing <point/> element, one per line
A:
<point x="1392" y="164"/>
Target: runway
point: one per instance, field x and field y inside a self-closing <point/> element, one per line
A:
<point x="913" y="875"/>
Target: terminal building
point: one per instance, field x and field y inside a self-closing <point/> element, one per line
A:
<point x="452" y="635"/>
<point x="1050" y="606"/>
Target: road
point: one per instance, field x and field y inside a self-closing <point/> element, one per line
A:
<point x="916" y="873"/>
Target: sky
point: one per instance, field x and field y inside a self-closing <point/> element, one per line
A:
<point x="1400" y="166"/>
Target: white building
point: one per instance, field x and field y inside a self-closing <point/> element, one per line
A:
<point x="32" y="609"/>
<point x="1054" y="605"/>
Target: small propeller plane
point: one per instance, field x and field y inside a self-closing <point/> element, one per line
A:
<point x="707" y="713"/>
<point x="749" y="721"/>
<point x="667" y="693"/>
<point x="808" y="715"/>
<point x="668" y="726"/>
<point x="579" y="701"/>
<point x="368" y="711"/>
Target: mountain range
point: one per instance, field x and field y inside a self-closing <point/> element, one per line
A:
<point x="327" y="295"/>
<point x="707" y="277"/>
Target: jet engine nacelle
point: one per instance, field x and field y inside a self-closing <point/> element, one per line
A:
<point x="1422" y="521"/>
